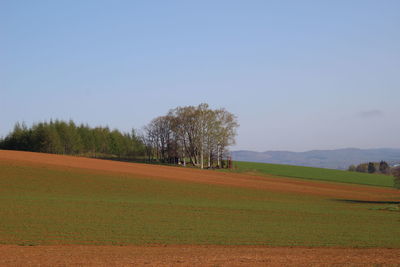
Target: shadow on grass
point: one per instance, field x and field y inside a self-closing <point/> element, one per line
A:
<point x="366" y="201"/>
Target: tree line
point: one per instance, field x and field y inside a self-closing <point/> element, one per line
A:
<point x="195" y="135"/>
<point x="60" y="137"/>
<point x="372" y="167"/>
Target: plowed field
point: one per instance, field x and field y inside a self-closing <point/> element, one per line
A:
<point x="62" y="210"/>
<point x="270" y="183"/>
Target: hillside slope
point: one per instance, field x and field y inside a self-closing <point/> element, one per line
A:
<point x="313" y="173"/>
<point x="265" y="182"/>
<point x="51" y="199"/>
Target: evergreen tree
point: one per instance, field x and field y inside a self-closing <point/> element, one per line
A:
<point x="60" y="137"/>
<point x="371" y="167"/>
<point x="384" y="167"/>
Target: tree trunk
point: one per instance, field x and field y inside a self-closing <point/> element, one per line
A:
<point x="209" y="159"/>
<point x="218" y="159"/>
<point x="201" y="158"/>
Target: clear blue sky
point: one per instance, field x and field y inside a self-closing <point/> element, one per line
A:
<point x="299" y="75"/>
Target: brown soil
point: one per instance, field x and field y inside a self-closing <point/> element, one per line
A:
<point x="11" y="255"/>
<point x="190" y="255"/>
<point x="269" y="183"/>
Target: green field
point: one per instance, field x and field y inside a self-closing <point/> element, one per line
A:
<point x="314" y="173"/>
<point x="49" y="205"/>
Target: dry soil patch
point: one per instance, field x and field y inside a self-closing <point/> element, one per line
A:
<point x="195" y="256"/>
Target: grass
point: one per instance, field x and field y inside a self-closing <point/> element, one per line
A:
<point x="53" y="205"/>
<point x="314" y="173"/>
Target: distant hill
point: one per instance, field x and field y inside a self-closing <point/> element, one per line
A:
<point x="332" y="159"/>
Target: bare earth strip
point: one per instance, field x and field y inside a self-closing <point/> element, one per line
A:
<point x="269" y="183"/>
<point x="195" y="256"/>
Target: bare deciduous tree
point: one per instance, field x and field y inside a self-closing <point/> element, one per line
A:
<point x="197" y="133"/>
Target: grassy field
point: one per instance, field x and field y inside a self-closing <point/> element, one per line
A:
<point x="44" y="204"/>
<point x="314" y="173"/>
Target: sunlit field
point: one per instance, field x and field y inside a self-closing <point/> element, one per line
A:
<point x="48" y="204"/>
<point x="314" y="173"/>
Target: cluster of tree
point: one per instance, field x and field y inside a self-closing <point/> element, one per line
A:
<point x="372" y="167"/>
<point x="61" y="137"/>
<point x="196" y="134"/>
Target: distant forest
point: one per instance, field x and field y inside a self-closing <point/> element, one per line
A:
<point x="60" y="137"/>
<point x="193" y="134"/>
